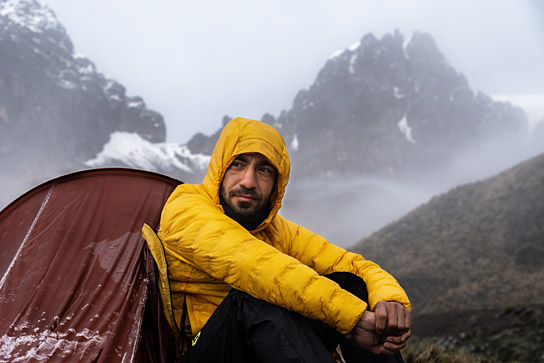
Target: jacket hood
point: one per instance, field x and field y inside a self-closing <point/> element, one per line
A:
<point x="242" y="136"/>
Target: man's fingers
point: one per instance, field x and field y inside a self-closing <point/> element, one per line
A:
<point x="399" y="318"/>
<point x="398" y="339"/>
<point x="390" y="348"/>
<point x="381" y="313"/>
<point x="404" y="319"/>
<point x="407" y="318"/>
<point x="394" y="339"/>
<point x="392" y="323"/>
<point x="404" y="337"/>
<point x="392" y="318"/>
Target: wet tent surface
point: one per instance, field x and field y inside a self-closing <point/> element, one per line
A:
<point x="77" y="281"/>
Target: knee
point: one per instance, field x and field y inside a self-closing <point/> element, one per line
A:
<point x="350" y="282"/>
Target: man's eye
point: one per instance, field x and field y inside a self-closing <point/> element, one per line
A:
<point x="237" y="165"/>
<point x="265" y="170"/>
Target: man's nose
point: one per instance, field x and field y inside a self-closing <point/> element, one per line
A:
<point x="249" y="178"/>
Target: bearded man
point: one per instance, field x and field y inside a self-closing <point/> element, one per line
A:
<point x="247" y="285"/>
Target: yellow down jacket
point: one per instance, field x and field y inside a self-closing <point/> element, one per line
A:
<point x="207" y="253"/>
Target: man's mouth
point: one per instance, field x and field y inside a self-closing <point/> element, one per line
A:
<point x="245" y="197"/>
<point x="244" y="194"/>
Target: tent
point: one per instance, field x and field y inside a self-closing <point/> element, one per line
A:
<point x="77" y="282"/>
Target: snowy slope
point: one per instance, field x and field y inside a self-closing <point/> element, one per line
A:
<point x="130" y="149"/>
<point x="31" y="15"/>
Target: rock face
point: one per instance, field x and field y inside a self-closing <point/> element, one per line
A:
<point x="396" y="107"/>
<point x="203" y="144"/>
<point x="55" y="97"/>
<point x="386" y="106"/>
<point x="56" y="109"/>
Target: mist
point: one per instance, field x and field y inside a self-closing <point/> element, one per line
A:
<point x="27" y="168"/>
<point x="345" y="210"/>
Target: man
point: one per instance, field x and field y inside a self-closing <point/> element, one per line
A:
<point x="248" y="285"/>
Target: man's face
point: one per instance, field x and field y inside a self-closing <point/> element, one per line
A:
<point x="248" y="183"/>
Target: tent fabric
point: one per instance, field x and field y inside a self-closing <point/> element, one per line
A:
<point x="77" y="282"/>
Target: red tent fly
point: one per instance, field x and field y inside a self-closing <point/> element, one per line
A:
<point x="77" y="282"/>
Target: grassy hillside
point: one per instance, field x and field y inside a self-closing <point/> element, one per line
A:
<point x="472" y="262"/>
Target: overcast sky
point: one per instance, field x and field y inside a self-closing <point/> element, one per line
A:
<point x="195" y="61"/>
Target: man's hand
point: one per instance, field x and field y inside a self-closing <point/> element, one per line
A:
<point x="384" y="331"/>
<point x="365" y="334"/>
<point x="393" y="322"/>
<point x="392" y="318"/>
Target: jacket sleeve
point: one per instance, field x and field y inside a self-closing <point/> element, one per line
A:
<point x="316" y="252"/>
<point x="195" y="230"/>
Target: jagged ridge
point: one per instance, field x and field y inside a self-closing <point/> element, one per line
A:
<point x="396" y="106"/>
<point x="47" y="86"/>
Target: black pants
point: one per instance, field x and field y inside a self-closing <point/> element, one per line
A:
<point x="246" y="329"/>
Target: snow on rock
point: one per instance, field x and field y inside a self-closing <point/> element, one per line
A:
<point x="406" y="130"/>
<point x="132" y="150"/>
<point x="337" y="53"/>
<point x="30" y="14"/>
<point x="294" y="143"/>
<point x="352" y="61"/>
<point x="397" y="93"/>
<point x="352" y="48"/>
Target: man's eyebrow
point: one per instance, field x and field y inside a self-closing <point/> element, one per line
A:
<point x="241" y="158"/>
<point x="266" y="163"/>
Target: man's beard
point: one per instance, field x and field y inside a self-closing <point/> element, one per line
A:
<point x="248" y="215"/>
<point x="245" y="208"/>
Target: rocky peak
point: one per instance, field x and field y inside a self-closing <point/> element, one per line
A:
<point x="388" y="106"/>
<point x="49" y="91"/>
<point x="56" y="109"/>
<point x="32" y="17"/>
<point x="202" y="144"/>
<point x="399" y="104"/>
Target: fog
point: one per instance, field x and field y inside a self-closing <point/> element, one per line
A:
<point x="346" y="210"/>
<point x="25" y="169"/>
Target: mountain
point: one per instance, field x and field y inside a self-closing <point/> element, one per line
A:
<point x="473" y="258"/>
<point x="477" y="243"/>
<point x="53" y="96"/>
<point x="390" y="106"/>
<point x="57" y="111"/>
